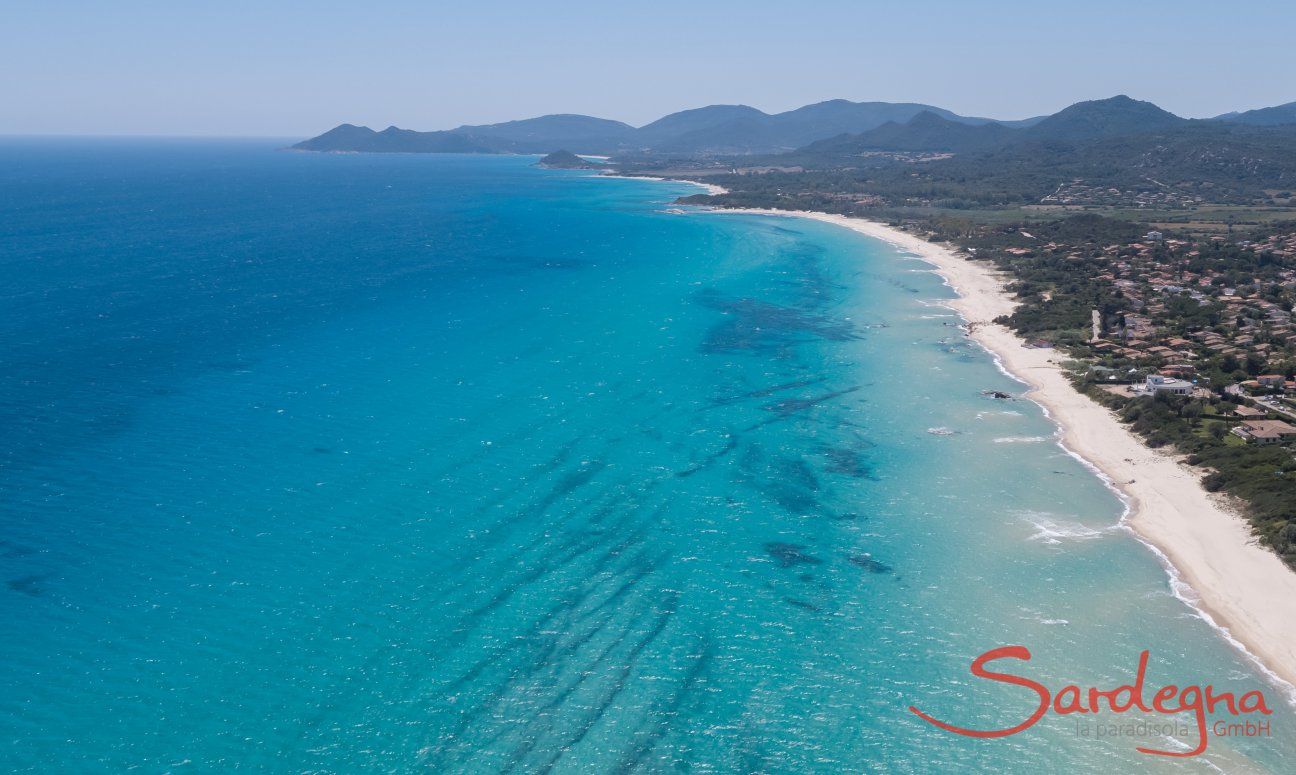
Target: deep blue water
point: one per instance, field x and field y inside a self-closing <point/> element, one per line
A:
<point x="343" y="462"/>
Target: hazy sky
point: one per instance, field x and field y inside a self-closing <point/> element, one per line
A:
<point x="298" y="68"/>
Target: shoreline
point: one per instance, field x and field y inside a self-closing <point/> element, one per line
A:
<point x="1216" y="566"/>
<point x="709" y="188"/>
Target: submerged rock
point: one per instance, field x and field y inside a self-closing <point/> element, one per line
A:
<point x="790" y="555"/>
<point x="869" y="564"/>
<point x="802" y="604"/>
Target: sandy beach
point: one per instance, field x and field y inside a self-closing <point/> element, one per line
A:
<point x="1215" y="564"/>
<point x="707" y="188"/>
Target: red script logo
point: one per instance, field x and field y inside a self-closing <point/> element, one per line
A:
<point x="1169" y="700"/>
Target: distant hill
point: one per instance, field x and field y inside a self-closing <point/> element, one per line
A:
<point x="533" y="135"/>
<point x="1116" y="151"/>
<point x="348" y="136"/>
<point x="712" y="130"/>
<point x="362" y="139"/>
<point x="825" y="119"/>
<point x="1022" y="123"/>
<point x="741" y="130"/>
<point x="924" y="132"/>
<point x="741" y="136"/>
<point x="1103" y="118"/>
<point x="566" y="160"/>
<point x="1274" y="116"/>
<point x="1243" y="159"/>
<point x="1216" y="161"/>
<point x="675" y="125"/>
<point x="799" y="127"/>
<point x="543" y="134"/>
<point x="1083" y="122"/>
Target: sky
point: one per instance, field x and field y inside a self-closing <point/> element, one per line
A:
<point x="295" y="69"/>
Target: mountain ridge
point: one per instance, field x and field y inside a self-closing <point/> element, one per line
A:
<point x="1110" y="117"/>
<point x="709" y="130"/>
<point x="742" y="130"/>
<point x="1272" y="116"/>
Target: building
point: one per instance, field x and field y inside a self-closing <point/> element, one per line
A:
<point x="1159" y="384"/>
<point x="1249" y="412"/>
<point x="1265" y="431"/>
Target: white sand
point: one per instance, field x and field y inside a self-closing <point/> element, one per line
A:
<point x="708" y="188"/>
<point x="1239" y="586"/>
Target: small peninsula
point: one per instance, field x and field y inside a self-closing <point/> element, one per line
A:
<point x="566" y="160"/>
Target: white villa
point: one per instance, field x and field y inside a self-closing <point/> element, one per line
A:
<point x="1159" y="384"/>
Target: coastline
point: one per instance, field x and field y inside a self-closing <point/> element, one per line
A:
<point x="1216" y="566"/>
<point x="709" y="188"/>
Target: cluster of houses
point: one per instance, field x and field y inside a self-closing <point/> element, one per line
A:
<point x="1258" y="427"/>
<point x="1078" y="193"/>
<point x="1255" y="328"/>
<point x="1256" y="424"/>
<point x="1281" y="245"/>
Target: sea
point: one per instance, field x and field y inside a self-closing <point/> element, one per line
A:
<point x="340" y="463"/>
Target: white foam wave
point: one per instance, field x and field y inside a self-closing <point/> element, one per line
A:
<point x="1051" y="531"/>
<point x="1002" y="413"/>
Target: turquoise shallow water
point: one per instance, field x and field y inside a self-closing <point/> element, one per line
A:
<point x="340" y="463"/>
